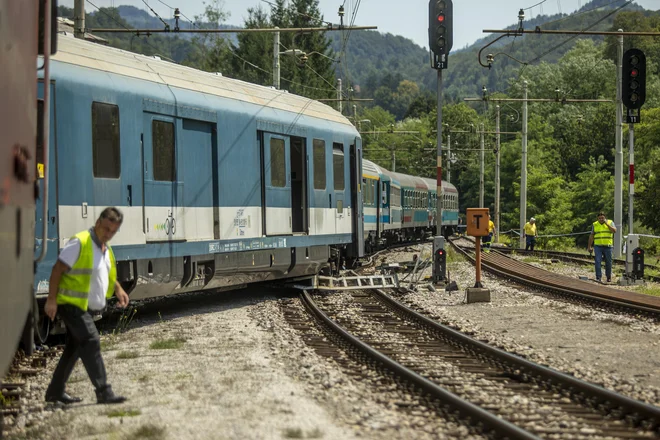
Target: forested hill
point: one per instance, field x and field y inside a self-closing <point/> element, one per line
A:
<point x="375" y="59"/>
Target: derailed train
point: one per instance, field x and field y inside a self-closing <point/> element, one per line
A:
<point x="222" y="183"/>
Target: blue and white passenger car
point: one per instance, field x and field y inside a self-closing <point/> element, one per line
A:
<point x="221" y="182"/>
<point x="399" y="207"/>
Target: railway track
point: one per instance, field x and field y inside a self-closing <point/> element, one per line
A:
<point x="570" y="257"/>
<point x="493" y="392"/>
<point x="585" y="291"/>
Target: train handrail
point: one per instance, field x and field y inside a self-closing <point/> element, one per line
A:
<point x="46" y="127"/>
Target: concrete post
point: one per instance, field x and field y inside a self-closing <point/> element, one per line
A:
<point x="339" y="94"/>
<point x="481" y="168"/>
<point x="618" y="157"/>
<point x="497" y="175"/>
<point x="523" y="170"/>
<point x="79" y="19"/>
<point x="448" y="156"/>
<point x="276" y="59"/>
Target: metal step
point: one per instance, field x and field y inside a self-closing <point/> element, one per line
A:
<point x="357" y="283"/>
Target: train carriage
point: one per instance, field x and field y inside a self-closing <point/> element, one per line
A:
<point x="27" y="29"/>
<point x="221" y="182"/>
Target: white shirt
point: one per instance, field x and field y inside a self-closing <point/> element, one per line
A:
<point x="100" y="270"/>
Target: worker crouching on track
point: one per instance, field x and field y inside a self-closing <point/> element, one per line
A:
<point x="601" y="241"/>
<point x="530" y="234"/>
<point x="84" y="275"/>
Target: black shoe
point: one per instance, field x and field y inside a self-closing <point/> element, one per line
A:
<point x="109" y="397"/>
<point x="609" y="280"/>
<point x="63" y="398"/>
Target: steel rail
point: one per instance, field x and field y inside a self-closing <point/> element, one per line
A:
<point x="596" y="396"/>
<point x="499" y="427"/>
<point x="565" y="291"/>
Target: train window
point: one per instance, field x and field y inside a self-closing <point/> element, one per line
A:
<point x="162" y="138"/>
<point x="105" y="140"/>
<point x="277" y="163"/>
<point x="319" y="164"/>
<point x="338" y="166"/>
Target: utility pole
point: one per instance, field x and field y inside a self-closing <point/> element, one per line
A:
<point x="481" y="169"/>
<point x="339" y="94"/>
<point x="393" y="161"/>
<point x="276" y="60"/>
<point x="523" y="171"/>
<point x="618" y="157"/>
<point x="497" y="175"/>
<point x="79" y="19"/>
<point x="448" y="156"/>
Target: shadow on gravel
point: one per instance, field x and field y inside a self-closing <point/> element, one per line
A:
<point x="150" y="311"/>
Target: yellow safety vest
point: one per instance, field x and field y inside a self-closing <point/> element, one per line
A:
<point x="530" y="229"/>
<point x="602" y="234"/>
<point x="75" y="284"/>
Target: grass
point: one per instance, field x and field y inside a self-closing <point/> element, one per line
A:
<point x="299" y="433"/>
<point x="108" y="342"/>
<point x="168" y="344"/>
<point x="127" y="355"/>
<point x="293" y="433"/>
<point x="653" y="291"/>
<point x="125" y="320"/>
<point x="149" y="431"/>
<point x="124" y="413"/>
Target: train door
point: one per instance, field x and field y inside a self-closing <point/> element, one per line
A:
<point x="276" y="177"/>
<point x="299" y="194"/>
<point x="199" y="180"/>
<point x="162" y="192"/>
<point x="356" y="197"/>
<point x="342" y="223"/>
<point x="385" y="200"/>
<point x="51" y="215"/>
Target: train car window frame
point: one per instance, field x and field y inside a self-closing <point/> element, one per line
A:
<point x="277" y="163"/>
<point x="320" y="178"/>
<point x="106" y="148"/>
<point x="338" y="173"/>
<point x="163" y="148"/>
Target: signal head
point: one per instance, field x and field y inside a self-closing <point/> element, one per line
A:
<point x="633" y="92"/>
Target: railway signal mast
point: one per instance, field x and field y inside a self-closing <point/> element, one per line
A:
<point x="440" y="43"/>
<point x="633" y="95"/>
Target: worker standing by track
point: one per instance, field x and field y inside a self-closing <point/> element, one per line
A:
<point x="530" y="234"/>
<point x="84" y="275"/>
<point x="601" y="241"/>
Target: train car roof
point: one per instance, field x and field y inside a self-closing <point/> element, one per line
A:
<point x="370" y="170"/>
<point x="446" y="186"/>
<point x="95" y="56"/>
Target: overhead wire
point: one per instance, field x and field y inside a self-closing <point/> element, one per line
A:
<point x="552" y="49"/>
<point x="120" y="24"/>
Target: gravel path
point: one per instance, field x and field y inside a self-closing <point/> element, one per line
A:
<point x="236" y="370"/>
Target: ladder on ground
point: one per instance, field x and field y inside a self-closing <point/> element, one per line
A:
<point x="357" y="282"/>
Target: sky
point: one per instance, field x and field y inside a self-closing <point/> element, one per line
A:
<point x="408" y="18"/>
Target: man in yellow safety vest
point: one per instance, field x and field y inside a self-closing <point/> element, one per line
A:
<point x="601" y="241"/>
<point x="83" y="277"/>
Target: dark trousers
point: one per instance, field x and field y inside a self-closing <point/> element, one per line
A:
<point x="82" y="342"/>
<point x="531" y="242"/>
<point x="603" y="253"/>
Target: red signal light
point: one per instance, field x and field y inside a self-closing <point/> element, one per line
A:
<point x="441" y="18"/>
<point x="634" y="73"/>
<point x="441" y="252"/>
<point x="639" y="252"/>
